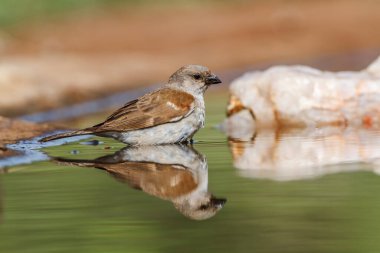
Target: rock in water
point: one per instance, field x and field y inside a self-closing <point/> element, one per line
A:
<point x="298" y="154"/>
<point x="300" y="96"/>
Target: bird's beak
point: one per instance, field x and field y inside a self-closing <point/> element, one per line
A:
<point x="218" y="203"/>
<point x="213" y="79"/>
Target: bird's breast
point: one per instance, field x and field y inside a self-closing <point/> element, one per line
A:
<point x="199" y="111"/>
<point x="199" y="117"/>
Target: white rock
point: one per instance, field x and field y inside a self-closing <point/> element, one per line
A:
<point x="300" y="96"/>
<point x="374" y="68"/>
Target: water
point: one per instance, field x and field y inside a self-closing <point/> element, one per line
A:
<point x="310" y="191"/>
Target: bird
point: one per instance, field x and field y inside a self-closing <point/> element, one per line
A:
<point x="172" y="172"/>
<point x="171" y="114"/>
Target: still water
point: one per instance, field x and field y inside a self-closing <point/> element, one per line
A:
<point x="309" y="191"/>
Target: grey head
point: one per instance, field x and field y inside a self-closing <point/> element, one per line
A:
<point x="193" y="78"/>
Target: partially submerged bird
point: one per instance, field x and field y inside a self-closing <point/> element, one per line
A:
<point x="171" y="114"/>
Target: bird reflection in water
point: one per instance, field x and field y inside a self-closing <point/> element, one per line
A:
<point x="177" y="173"/>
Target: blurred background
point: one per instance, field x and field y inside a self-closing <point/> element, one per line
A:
<point x="55" y="53"/>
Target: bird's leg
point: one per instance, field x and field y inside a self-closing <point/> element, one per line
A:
<point x="187" y="141"/>
<point x="190" y="140"/>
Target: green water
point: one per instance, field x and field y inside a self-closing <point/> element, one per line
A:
<point x="50" y="207"/>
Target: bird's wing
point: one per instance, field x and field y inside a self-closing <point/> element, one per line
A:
<point x="154" y="178"/>
<point x="162" y="106"/>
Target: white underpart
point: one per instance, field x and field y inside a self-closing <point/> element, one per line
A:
<point x="181" y="155"/>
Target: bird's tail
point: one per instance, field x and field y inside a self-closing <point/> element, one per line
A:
<point x="64" y="135"/>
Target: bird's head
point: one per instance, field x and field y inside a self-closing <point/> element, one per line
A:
<point x="193" y="78"/>
<point x="200" y="207"/>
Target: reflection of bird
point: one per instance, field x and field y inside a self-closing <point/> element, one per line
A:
<point x="176" y="173"/>
<point x="171" y="114"/>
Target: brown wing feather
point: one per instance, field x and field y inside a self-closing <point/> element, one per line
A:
<point x="154" y="178"/>
<point x="162" y="106"/>
<point x="119" y="112"/>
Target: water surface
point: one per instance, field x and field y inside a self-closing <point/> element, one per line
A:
<point x="286" y="192"/>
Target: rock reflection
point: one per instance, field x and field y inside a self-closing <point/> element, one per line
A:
<point x="177" y="173"/>
<point x="305" y="154"/>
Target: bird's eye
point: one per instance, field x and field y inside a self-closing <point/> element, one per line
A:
<point x="197" y="77"/>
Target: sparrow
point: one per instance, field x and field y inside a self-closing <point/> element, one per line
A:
<point x="172" y="114"/>
<point x="173" y="172"/>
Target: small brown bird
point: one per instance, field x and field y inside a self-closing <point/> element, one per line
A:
<point x="172" y="114"/>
